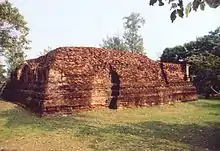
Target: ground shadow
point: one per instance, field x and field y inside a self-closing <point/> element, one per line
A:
<point x="217" y="97"/>
<point x="212" y="105"/>
<point x="158" y="135"/>
<point x="115" y="90"/>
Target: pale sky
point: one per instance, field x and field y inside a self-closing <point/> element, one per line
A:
<point x="57" y="23"/>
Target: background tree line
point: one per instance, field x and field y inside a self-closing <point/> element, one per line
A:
<point x="131" y="40"/>
<point x="204" y="56"/>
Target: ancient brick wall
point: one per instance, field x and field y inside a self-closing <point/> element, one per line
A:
<point x="71" y="78"/>
<point x="28" y="83"/>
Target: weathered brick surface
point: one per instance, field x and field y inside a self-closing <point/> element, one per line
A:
<point x="70" y="78"/>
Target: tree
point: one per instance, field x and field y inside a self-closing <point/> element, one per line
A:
<point x="203" y="61"/>
<point x="177" y="6"/>
<point x="207" y="45"/>
<point x="13" y="35"/>
<point x="132" y="38"/>
<point x="176" y="54"/>
<point x="203" y="54"/>
<point x="207" y="82"/>
<point x="14" y="56"/>
<point x="12" y="27"/>
<point x="114" y="42"/>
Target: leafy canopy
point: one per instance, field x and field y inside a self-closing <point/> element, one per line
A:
<point x="13" y="35"/>
<point x="131" y="40"/>
<point x="204" y="55"/>
<point x="114" y="42"/>
<point x="202" y="46"/>
<point x="13" y="27"/>
<point x="178" y="9"/>
<point x="48" y="49"/>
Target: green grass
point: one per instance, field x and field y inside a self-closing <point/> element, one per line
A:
<point x="182" y="126"/>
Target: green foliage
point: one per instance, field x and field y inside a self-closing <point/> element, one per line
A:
<point x="206" y="46"/>
<point x="114" y="42"/>
<point x="203" y="54"/>
<point x="12" y="27"/>
<point x="208" y="43"/>
<point x="13" y="35"/>
<point x="173" y="15"/>
<point x="175" y="54"/>
<point x="206" y="68"/>
<point x="131" y="40"/>
<point x="188" y="9"/>
<point x="14" y="56"/>
<point x="178" y="7"/>
<point x="204" y="61"/>
<point x="2" y="73"/>
<point x="206" y="80"/>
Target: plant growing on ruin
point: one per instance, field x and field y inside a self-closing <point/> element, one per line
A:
<point x="48" y="49"/>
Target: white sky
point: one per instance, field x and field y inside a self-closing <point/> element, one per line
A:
<point x="58" y="23"/>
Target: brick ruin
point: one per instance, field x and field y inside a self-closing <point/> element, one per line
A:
<point x="71" y="78"/>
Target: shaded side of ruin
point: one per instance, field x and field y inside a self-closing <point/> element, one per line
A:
<point x="28" y="83"/>
<point x="71" y="78"/>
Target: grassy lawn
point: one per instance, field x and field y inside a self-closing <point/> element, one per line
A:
<point x="182" y="126"/>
